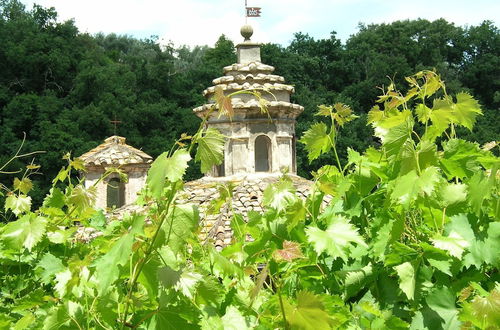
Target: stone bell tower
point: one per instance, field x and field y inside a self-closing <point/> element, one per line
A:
<point x="256" y="142"/>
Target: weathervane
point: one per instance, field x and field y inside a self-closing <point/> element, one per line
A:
<point x="251" y="11"/>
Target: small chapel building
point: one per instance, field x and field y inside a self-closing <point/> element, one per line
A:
<point x="112" y="191"/>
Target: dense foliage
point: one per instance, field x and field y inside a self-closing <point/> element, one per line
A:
<point x="405" y="235"/>
<point x="63" y="87"/>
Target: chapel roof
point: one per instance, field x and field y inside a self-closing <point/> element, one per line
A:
<point x="114" y="151"/>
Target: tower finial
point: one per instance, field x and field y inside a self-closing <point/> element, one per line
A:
<point x="246" y="31"/>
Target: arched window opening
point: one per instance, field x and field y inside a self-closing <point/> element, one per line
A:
<point x="262" y="154"/>
<point x="115" y="193"/>
<point x="219" y="170"/>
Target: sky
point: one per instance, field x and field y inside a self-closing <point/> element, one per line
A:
<point x="202" y="22"/>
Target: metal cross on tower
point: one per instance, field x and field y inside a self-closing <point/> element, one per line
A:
<point x="115" y="122"/>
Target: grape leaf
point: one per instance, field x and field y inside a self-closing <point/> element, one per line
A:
<point x="210" y="150"/>
<point x="465" y="110"/>
<point x="453" y="243"/>
<point x="18" y="204"/>
<point x="180" y="225"/>
<point x="279" y="195"/>
<point x="336" y="239"/>
<point x="442" y="301"/>
<point x="394" y="131"/>
<point x="308" y="314"/>
<point x="234" y="320"/>
<point x="62" y="279"/>
<point x="24" y="185"/>
<point x="175" y="166"/>
<point x="25" y="322"/>
<point x="290" y="251"/>
<point x="170" y="318"/>
<point x="452" y="193"/>
<point x="316" y="140"/>
<point x="107" y="270"/>
<point x="25" y="232"/>
<point x="51" y="265"/>
<point x="460" y="158"/>
<point x="187" y="283"/>
<point x="406" y="273"/>
<point x="157" y="174"/>
<point x="405" y="189"/>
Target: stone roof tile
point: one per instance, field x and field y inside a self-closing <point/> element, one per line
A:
<point x="114" y="151"/>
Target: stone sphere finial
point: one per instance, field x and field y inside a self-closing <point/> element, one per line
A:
<point x="246" y="32"/>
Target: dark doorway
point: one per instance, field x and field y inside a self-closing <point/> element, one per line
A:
<point x="115" y="193"/>
<point x="262" y="154"/>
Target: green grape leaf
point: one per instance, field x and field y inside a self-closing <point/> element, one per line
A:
<point x="209" y="292"/>
<point x="176" y="166"/>
<point x="210" y="150"/>
<point x="107" y="270"/>
<point x="157" y="174"/>
<point x="55" y="198"/>
<point x="308" y="314"/>
<point x="437" y="258"/>
<point x="25" y="322"/>
<point x="442" y="301"/>
<point x="453" y="243"/>
<point x="62" y="279"/>
<point x="465" y="110"/>
<point x="18" y="204"/>
<point x="168" y="276"/>
<point x="406" y="273"/>
<point x="279" y="195"/>
<point x="452" y="193"/>
<point x="460" y="158"/>
<point x="234" y="320"/>
<point x="83" y="198"/>
<point x="394" y="131"/>
<point x="405" y="189"/>
<point x="423" y="113"/>
<point x="180" y="224"/>
<point x="187" y="283"/>
<point x="316" y="140"/>
<point x="25" y="232"/>
<point x="479" y="190"/>
<point x="58" y="318"/>
<point x="149" y="276"/>
<point x="357" y="280"/>
<point x="50" y="266"/>
<point x="169" y="319"/>
<point x="24" y="185"/>
<point x="336" y="239"/>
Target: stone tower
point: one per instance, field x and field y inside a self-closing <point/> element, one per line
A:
<point x="257" y="142"/>
<point x="258" y="146"/>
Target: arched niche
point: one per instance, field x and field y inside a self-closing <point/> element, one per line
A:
<point x="263" y="154"/>
<point x="115" y="193"/>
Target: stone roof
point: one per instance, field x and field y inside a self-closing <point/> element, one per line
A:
<point x="286" y="108"/>
<point x="114" y="151"/>
<point x="248" y="194"/>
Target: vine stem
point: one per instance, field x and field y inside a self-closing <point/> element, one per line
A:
<point x="282" y="306"/>
<point x="147" y="254"/>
